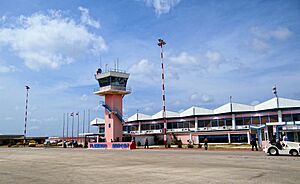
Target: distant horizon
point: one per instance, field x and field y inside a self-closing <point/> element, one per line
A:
<point x="214" y="50"/>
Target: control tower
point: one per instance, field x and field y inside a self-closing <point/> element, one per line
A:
<point x="113" y="87"/>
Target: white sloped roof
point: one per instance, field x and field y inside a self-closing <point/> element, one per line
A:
<point x="169" y="114"/>
<point x="222" y="109"/>
<point x="196" y="111"/>
<point x="97" y="121"/>
<point x="236" y="107"/>
<point x="139" y="116"/>
<point x="272" y="104"/>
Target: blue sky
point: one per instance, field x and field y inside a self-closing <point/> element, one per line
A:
<point x="215" y="49"/>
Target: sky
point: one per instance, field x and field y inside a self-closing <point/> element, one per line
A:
<point x="215" y="49"/>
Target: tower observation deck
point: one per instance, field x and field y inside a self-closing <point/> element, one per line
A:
<point x="113" y="86"/>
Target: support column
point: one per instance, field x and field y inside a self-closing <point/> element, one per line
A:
<point x="233" y="122"/>
<point x="196" y="123"/>
<point x="139" y="128"/>
<point x="280" y="121"/>
<point x="279" y="116"/>
<point x="248" y="136"/>
<point x="229" y="140"/>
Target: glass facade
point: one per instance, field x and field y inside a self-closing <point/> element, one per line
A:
<point x="183" y="124"/>
<point x="215" y="122"/>
<point x="291" y="117"/>
<point x="204" y="123"/>
<point x="259" y="118"/>
<point x="156" y="126"/>
<point x="214" y="138"/>
<point x="255" y="120"/>
<point x="129" y="128"/>
<point x="114" y="81"/>
<point x="239" y="138"/>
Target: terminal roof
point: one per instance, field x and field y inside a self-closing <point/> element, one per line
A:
<point x="226" y="108"/>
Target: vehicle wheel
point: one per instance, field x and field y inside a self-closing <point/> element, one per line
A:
<point x="273" y="151"/>
<point x="294" y="152"/>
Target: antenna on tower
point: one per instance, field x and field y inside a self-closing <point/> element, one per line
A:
<point x="100" y="61"/>
<point x="117" y="64"/>
<point x="106" y="67"/>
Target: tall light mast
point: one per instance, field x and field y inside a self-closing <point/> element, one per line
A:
<point x="161" y="43"/>
<point x="26" y="108"/>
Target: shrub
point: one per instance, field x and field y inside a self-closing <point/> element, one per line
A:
<point x="190" y="146"/>
<point x="199" y="145"/>
<point x="179" y="143"/>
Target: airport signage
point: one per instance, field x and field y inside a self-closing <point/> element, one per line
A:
<point x="112" y="145"/>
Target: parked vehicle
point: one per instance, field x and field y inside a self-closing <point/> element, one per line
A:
<point x="288" y="148"/>
<point x="32" y="143"/>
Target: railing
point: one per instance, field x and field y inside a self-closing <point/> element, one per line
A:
<point x="112" y="70"/>
<point x="114" y="111"/>
<point x="190" y="129"/>
<point x="134" y="132"/>
<point x="178" y="130"/>
<point x="214" y="128"/>
<point x="113" y="88"/>
<point x="151" y="131"/>
<point x="242" y="127"/>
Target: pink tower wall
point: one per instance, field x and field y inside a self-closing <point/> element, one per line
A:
<point x="116" y="129"/>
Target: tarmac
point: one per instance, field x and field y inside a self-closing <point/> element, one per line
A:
<point x="72" y="166"/>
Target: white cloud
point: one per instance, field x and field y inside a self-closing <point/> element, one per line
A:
<point x="8" y="118"/>
<point x="255" y="102"/>
<point x="162" y="6"/>
<point x="84" y="98"/>
<point x="183" y="59"/>
<point x="144" y="70"/>
<point x="33" y="128"/>
<point x="33" y="120"/>
<point x="204" y="98"/>
<point x="280" y="33"/>
<point x="50" y="119"/>
<point x="214" y="57"/>
<point x="142" y="67"/>
<point x="50" y="40"/>
<point x="86" y="19"/>
<point x="176" y="103"/>
<point x="7" y="69"/>
<point x="259" y="44"/>
<point x="3" y="18"/>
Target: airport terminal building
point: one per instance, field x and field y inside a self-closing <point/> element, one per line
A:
<point x="229" y="123"/>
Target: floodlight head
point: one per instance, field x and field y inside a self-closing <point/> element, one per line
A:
<point x="274" y="90"/>
<point x="161" y="42"/>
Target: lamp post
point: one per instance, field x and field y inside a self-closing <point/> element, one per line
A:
<point x="77" y="114"/>
<point x="89" y="120"/>
<point x="67" y="125"/>
<point x="26" y="114"/>
<point x="83" y="122"/>
<point x="72" y="114"/>
<point x="274" y="90"/>
<point x="161" y="43"/>
<point x="63" y="132"/>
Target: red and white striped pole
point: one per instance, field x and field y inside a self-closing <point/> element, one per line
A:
<point x="161" y="43"/>
<point x="26" y="108"/>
